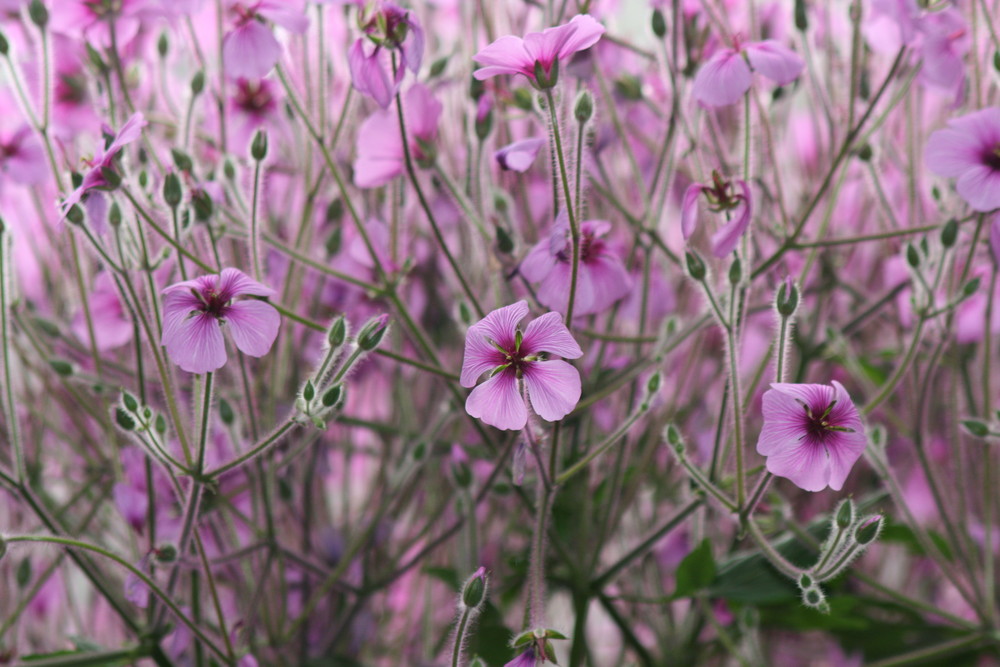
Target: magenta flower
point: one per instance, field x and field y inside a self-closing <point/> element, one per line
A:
<point x="94" y="178"/>
<point x="21" y="157"/>
<point x="389" y="28"/>
<point x="602" y="278"/>
<point x="720" y="198"/>
<point x="969" y="150"/>
<point x="812" y="434"/>
<point x="195" y="310"/>
<point x="539" y="52"/>
<point x="250" y="49"/>
<point x="519" y="155"/>
<point x="727" y="75"/>
<point x="380" y="144"/>
<point x="526" y="659"/>
<point x="495" y="344"/>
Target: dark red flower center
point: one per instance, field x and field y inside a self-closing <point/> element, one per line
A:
<point x="254" y="97"/>
<point x="590" y="246"/>
<point x="214" y="302"/>
<point x="820" y="426"/>
<point x="992" y="158"/>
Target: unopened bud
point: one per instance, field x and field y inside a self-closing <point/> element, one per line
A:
<point x="868" y="531"/>
<point x="805" y="581"/>
<point x="309" y="391"/>
<point x="229" y="170"/>
<point x="629" y="87"/>
<point x="523" y="100"/>
<point x="172" y="189"/>
<point x="203" y="205"/>
<point x="62" y="367"/>
<point x="124" y="420"/>
<point x="198" y="82"/>
<point x="258" y="149"/>
<point x="160" y="424"/>
<point x="373" y="332"/>
<point x="505" y="244"/>
<point x="912" y="256"/>
<point x="695" y="267"/>
<point x="787" y="299"/>
<point x="654" y="382"/>
<point x="130" y="402"/>
<point x="226" y="413"/>
<point x="338" y="332"/>
<point x="845" y="514"/>
<point x="583" y="109"/>
<point x="111" y="178"/>
<point x="4" y="45"/>
<point x="332" y="395"/>
<point x="166" y="553"/>
<point x="801" y="18"/>
<point x="38" y="13"/>
<point x="658" y="23"/>
<point x="949" y="233"/>
<point x="437" y="67"/>
<point x="736" y="272"/>
<point x="976" y="427"/>
<point x="970" y="288"/>
<point x="163" y="45"/>
<point x="182" y="160"/>
<point x="75" y="214"/>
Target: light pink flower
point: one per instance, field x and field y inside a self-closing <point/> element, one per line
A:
<point x="389" y="28"/>
<point x="946" y="41"/>
<point x="969" y="150"/>
<point x="812" y="434"/>
<point x="22" y="159"/>
<point x="380" y="144"/>
<point x="495" y="344"/>
<point x="601" y="280"/>
<point x="112" y="328"/>
<point x="195" y="310"/>
<point x="250" y="49"/>
<point x="94" y="178"/>
<point x="727" y="75"/>
<point x="519" y="155"/>
<point x="721" y="198"/>
<point x="541" y="50"/>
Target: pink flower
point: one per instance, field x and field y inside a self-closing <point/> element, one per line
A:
<point x="721" y="198"/>
<point x="389" y="28"/>
<point x="969" y="150"/>
<point x="602" y="278"/>
<point x="495" y="344"/>
<point x="380" y="144"/>
<point x="812" y="434"/>
<point x="726" y="76"/>
<point x="946" y="41"/>
<point x="21" y="157"/>
<point x="94" y="178"/>
<point x="538" y="52"/>
<point x="112" y="328"/>
<point x="250" y="50"/>
<point x="195" y="310"/>
<point x="526" y="659"/>
<point x="519" y="155"/>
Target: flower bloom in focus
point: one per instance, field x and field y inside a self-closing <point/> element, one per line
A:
<point x="812" y="434"/>
<point x="195" y="310"/>
<point x="538" y="55"/>
<point x="250" y="49"/>
<point x="602" y="278"/>
<point x="969" y="150"/>
<point x="94" y="178"/>
<point x="721" y="198"/>
<point x="389" y="28"/>
<point x="497" y="345"/>
<point x="727" y="75"/>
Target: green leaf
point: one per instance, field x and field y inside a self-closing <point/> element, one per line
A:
<point x="696" y="571"/>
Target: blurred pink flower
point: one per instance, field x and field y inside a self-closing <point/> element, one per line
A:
<point x="602" y="278"/>
<point x="21" y="157"/>
<point x="519" y="155"/>
<point x="812" y="434"/>
<point x="389" y="28"/>
<point x="111" y="326"/>
<point x="727" y="75"/>
<point x="946" y="41"/>
<point x="250" y="49"/>
<point x="380" y="155"/>
<point x="194" y="311"/>
<point x="721" y="198"/>
<point x="538" y="52"/>
<point x="969" y="150"/>
<point x="495" y="344"/>
<point x="94" y="178"/>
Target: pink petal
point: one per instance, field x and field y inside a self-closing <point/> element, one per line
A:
<point x="980" y="187"/>
<point x="422" y="110"/>
<point x="553" y="387"/>
<point x="498" y="403"/>
<point x="506" y="55"/>
<point x="501" y="324"/>
<point x="194" y="343"/>
<point x="129" y="132"/>
<point x="995" y="238"/>
<point x="722" y="80"/>
<point x="726" y="239"/>
<point x="538" y="263"/>
<point x="775" y="61"/>
<point x="586" y="33"/>
<point x="369" y="75"/>
<point x="519" y="155"/>
<point x="548" y="334"/>
<point x="233" y="283"/>
<point x="806" y="465"/>
<point x="689" y="209"/>
<point x="380" y="151"/>
<point x="951" y="152"/>
<point x="254" y="325"/>
<point x="250" y="51"/>
<point x="286" y="13"/>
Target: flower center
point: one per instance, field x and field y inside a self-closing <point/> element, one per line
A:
<point x="253" y="96"/>
<point x="514" y="359"/>
<point x="992" y="158"/>
<point x="589" y="246"/>
<point x="820" y="427"/>
<point x="213" y="302"/>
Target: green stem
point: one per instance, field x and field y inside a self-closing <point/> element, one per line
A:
<point x="609" y="442"/>
<point x="574" y="225"/>
<point x="456" y="653"/>
<point x="11" y="418"/>
<point x="254" y="232"/>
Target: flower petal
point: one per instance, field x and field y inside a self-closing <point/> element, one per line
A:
<point x="548" y="334"/>
<point x="194" y="342"/>
<point x="498" y="403"/>
<point x="726" y="239"/>
<point x="775" y="61"/>
<point x="689" y="209"/>
<point x="722" y="80"/>
<point x="254" y="325"/>
<point x="980" y="187"/>
<point x="250" y="51"/>
<point x="553" y="387"/>
<point x="480" y="355"/>
<point x="234" y="283"/>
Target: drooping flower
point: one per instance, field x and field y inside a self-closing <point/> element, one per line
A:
<point x="601" y="280"/>
<point x="519" y="155"/>
<point x="513" y="356"/>
<point x="812" y="434"/>
<point x="727" y="75"/>
<point x="95" y="176"/>
<point x="380" y="144"/>
<point x="195" y="310"/>
<point x="526" y="659"/>
<point x="388" y="28"/>
<point x="250" y="49"/>
<point x="969" y="150"/>
<point x="539" y="54"/>
<point x="721" y="199"/>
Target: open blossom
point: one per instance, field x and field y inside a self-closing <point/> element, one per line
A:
<point x="812" y="434"/>
<point x="380" y="144"/>
<point x="539" y="52"/>
<point x="969" y="150"/>
<point x="497" y="345"/>
<point x="721" y="198"/>
<point x="195" y="310"/>
<point x="388" y="28"/>
<point x="250" y="49"/>
<point x="727" y="75"/>
<point x="601" y="280"/>
<point x="94" y="178"/>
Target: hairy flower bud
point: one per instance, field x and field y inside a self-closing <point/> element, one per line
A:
<point x="338" y="332"/>
<point x="787" y="299"/>
<point x="182" y="160"/>
<point x="373" y="332"/>
<point x="949" y="233"/>
<point x="172" y="189"/>
<point x="332" y="395"/>
<point x="583" y="109"/>
<point x="845" y="514"/>
<point x="695" y="267"/>
<point x="198" y="82"/>
<point x="474" y="589"/>
<point x="868" y="530"/>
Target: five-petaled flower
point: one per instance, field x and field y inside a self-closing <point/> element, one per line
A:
<point x="727" y="75"/>
<point x="539" y="54"/>
<point x="812" y="434"/>
<point x="969" y="149"/>
<point x="195" y="310"/>
<point x="497" y="345"/>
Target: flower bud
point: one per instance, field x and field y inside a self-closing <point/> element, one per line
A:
<point x="166" y="553"/>
<point x="976" y="427"/>
<point x="814" y="598"/>
<point x="970" y="288"/>
<point x="198" y="82"/>
<point x="583" y="109"/>
<point x="868" y="530"/>
<point x="654" y="382"/>
<point x="258" y="148"/>
<point x="163" y="45"/>
<point x="674" y="438"/>
<point x="226" y="413"/>
<point x="182" y="160"/>
<point x="845" y="514"/>
<point x="62" y="367"/>
<point x="23" y="574"/>
<point x="203" y="205"/>
<point x="130" y="402"/>
<point x="801" y="18"/>
<point x="787" y="299"/>
<point x="4" y="45"/>
<point x="505" y="244"/>
<point x="912" y="256"/>
<point x="309" y="391"/>
<point x="523" y="99"/>
<point x="124" y="420"/>
<point x="38" y="13"/>
<point x="111" y="177"/>
<point x="172" y="189"/>
<point x="373" y="332"/>
<point x="736" y="272"/>
<point x="75" y="214"/>
<point x="333" y="241"/>
<point x="629" y="87"/>
<point x="865" y="153"/>
<point x="338" y="332"/>
<point x="474" y="590"/>
<point x="484" y="117"/>
<point x="229" y="170"/>
<point x="695" y="267"/>
<point x="996" y="60"/>
<point x="805" y="581"/>
<point x="658" y="23"/>
<point x="115" y="214"/>
<point x="949" y="233"/>
<point x="160" y="424"/>
<point x="332" y="395"/>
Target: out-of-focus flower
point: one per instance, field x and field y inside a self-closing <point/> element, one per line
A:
<point x="601" y="280"/>
<point x="727" y="75"/>
<point x="721" y="198"/>
<point x="388" y="28"/>
<point x="195" y="310"/>
<point x="112" y="328"/>
<point x="250" y="49"/>
<point x="946" y="41"/>
<point x="95" y="177"/>
<point x="538" y="55"/>
<point x="969" y="150"/>
<point x="519" y="155"/>
<point x="495" y="344"/>
<point x="21" y="157"/>
<point x="812" y="434"/>
<point x="380" y="144"/>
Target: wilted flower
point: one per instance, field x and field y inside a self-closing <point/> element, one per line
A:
<point x="727" y="75"/>
<point x="721" y="198"/>
<point x="812" y="434"/>
<point x="496" y="344"/>
<point x="969" y="150"/>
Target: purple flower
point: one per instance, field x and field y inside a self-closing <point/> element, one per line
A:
<point x="519" y="155"/>
<point x="812" y="434"/>
<point x="194" y="311"/>
<point x="969" y="150"/>
<point x="250" y="50"/>
<point x="721" y="198"/>
<point x="538" y="50"/>
<point x="94" y="178"/>
<point x="388" y="28"/>
<point x="495" y="344"/>
<point x="526" y="659"/>
<point x="21" y="157"/>
<point x="602" y="278"/>
<point x="727" y="75"/>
